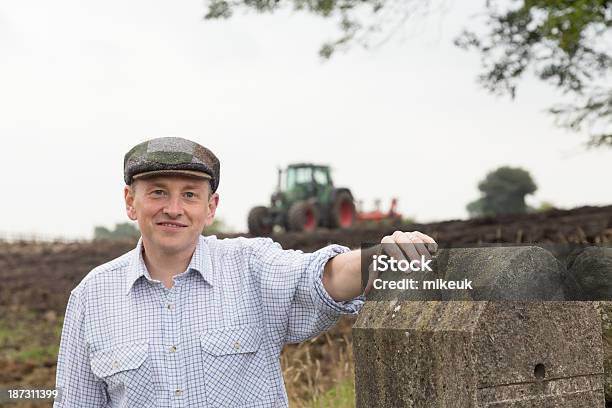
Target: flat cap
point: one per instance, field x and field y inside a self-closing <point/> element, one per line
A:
<point x="171" y="155"/>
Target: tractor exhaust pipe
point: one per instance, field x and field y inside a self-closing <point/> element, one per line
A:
<point x="278" y="181"/>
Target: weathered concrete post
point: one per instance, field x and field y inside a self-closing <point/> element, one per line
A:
<point x="473" y="354"/>
<point x="592" y="269"/>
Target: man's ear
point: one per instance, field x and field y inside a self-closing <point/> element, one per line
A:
<point x="128" y="195"/>
<point x="212" y="207"/>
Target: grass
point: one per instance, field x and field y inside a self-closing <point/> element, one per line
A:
<point x="341" y="396"/>
<point x="320" y="371"/>
<point x="17" y="342"/>
<point x="38" y="354"/>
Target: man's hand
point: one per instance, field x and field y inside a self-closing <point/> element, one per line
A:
<point x="342" y="274"/>
<point x="409" y="245"/>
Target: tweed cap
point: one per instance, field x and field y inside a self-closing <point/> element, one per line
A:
<point x="171" y="155"/>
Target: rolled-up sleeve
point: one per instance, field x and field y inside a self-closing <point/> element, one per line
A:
<point x="294" y="296"/>
<point x="76" y="384"/>
<point x="320" y="297"/>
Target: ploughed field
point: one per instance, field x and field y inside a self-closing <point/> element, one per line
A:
<point x="37" y="278"/>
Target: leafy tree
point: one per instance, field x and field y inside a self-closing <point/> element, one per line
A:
<point x="503" y="192"/>
<point x="125" y="230"/>
<point x="101" y="232"/>
<point x="562" y="42"/>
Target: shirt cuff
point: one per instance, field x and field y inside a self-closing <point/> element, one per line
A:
<point x="323" y="301"/>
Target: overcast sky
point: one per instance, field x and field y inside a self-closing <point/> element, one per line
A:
<point x="82" y="82"/>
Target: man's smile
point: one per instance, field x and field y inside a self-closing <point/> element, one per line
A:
<point x="171" y="225"/>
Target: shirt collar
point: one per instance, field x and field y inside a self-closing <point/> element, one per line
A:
<point x="200" y="262"/>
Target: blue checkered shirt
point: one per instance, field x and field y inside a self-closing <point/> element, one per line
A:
<point x="212" y="340"/>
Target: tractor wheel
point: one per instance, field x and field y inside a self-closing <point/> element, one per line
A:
<point x="303" y="216"/>
<point x="258" y="221"/>
<point x="343" y="211"/>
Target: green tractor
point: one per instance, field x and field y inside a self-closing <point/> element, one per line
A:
<point x="305" y="199"/>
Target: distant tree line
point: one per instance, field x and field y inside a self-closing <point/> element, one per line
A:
<point x="122" y="231"/>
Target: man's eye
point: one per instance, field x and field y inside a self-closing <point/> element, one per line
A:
<point x="158" y="192"/>
<point x="190" y="194"/>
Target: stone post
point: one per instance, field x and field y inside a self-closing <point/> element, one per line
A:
<point x="464" y="353"/>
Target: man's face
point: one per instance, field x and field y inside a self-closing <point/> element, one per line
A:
<point x="171" y="211"/>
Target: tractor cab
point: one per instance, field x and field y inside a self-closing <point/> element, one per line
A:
<point x="305" y="181"/>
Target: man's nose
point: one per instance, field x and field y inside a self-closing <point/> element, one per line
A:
<point x="173" y="207"/>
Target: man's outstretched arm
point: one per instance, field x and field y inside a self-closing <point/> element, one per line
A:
<point x="342" y="273"/>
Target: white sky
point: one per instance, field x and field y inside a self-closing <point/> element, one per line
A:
<point x="82" y="82"/>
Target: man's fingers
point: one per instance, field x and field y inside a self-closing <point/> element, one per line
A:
<point x="422" y="250"/>
<point x="405" y="241"/>
<point x="391" y="248"/>
<point x="412" y="244"/>
<point x="430" y="243"/>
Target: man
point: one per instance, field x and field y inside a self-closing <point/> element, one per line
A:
<point x="190" y="321"/>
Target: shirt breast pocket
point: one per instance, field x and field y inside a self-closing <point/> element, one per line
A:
<point x="127" y="373"/>
<point x="235" y="366"/>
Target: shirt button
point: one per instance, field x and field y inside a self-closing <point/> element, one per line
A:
<point x="170" y="306"/>
<point x="173" y="349"/>
<point x="237" y="345"/>
<point x="115" y="364"/>
<point x="178" y="393"/>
